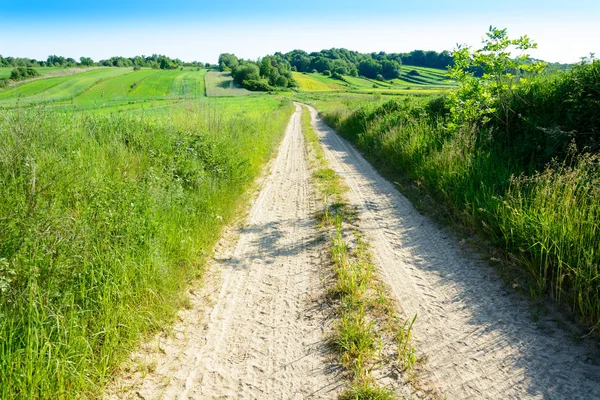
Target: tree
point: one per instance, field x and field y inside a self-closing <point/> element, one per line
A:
<point x="477" y="99"/>
<point x="246" y="72"/>
<point x="369" y="68"/>
<point x="227" y="62"/>
<point x="390" y="69"/>
<point x="86" y="61"/>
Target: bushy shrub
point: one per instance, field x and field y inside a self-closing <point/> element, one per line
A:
<point x="22" y="73"/>
<point x="327" y="72"/>
<point x="281" y="81"/>
<point x="257" y="85"/>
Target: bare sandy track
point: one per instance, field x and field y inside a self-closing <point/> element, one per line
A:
<point x="480" y="339"/>
<point x="264" y="337"/>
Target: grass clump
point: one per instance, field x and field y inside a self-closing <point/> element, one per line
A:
<point x="103" y="222"/>
<point x="366" y="321"/>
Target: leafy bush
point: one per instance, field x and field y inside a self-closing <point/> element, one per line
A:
<point x="257" y="85"/>
<point x="327" y="72"/>
<point x="22" y="73"/>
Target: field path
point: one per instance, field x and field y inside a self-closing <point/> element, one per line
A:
<point x="480" y="340"/>
<point x="264" y="336"/>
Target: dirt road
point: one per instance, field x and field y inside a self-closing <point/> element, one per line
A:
<point x="264" y="336"/>
<point x="480" y="339"/>
<point x="257" y="328"/>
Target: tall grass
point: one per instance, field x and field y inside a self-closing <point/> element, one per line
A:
<point x="533" y="186"/>
<point x="103" y="222"/>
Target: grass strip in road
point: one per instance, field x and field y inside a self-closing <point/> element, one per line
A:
<point x="368" y="333"/>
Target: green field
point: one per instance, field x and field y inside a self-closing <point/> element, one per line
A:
<point x="188" y="84"/>
<point x="108" y="87"/>
<point x="420" y="81"/>
<point x="58" y="88"/>
<point x="221" y="84"/>
<point x="117" y="88"/>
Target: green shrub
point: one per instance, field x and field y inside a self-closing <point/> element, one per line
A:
<point x="257" y="85"/>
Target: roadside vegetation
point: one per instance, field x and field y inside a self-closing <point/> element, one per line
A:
<point x="104" y="221"/>
<point x="513" y="154"/>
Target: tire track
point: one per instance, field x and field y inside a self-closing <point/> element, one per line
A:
<point x="479" y="339"/>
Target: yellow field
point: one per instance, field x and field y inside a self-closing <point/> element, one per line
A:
<point x="307" y="83"/>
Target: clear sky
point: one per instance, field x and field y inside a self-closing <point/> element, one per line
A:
<point x="201" y="30"/>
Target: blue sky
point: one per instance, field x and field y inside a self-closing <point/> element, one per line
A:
<point x="200" y="30"/>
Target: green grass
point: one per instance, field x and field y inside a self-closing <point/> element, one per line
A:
<point x="188" y="84"/>
<point x="364" y="314"/>
<point x="118" y="88"/>
<point x="531" y="189"/>
<point x="5" y="72"/>
<point x="221" y="84"/>
<point x="430" y="81"/>
<point x="57" y="88"/>
<point x="105" y="219"/>
<point x="155" y="85"/>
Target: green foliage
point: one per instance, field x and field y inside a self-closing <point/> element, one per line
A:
<point x="86" y="61"/>
<point x="257" y="85"/>
<point x="104" y="221"/>
<point x="228" y="62"/>
<point x="477" y="99"/>
<point x="246" y="72"/>
<point x="22" y="73"/>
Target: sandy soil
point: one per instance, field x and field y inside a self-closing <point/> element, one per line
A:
<point x="264" y="334"/>
<point x="480" y="339"/>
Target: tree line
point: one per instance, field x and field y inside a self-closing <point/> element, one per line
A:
<point x="157" y="61"/>
<point x="266" y="74"/>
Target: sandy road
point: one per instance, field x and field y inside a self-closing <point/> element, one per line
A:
<point x="257" y="329"/>
<point x="480" y="340"/>
<point x="264" y="336"/>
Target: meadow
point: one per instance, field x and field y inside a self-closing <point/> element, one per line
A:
<point x="222" y="84"/>
<point x="108" y="214"/>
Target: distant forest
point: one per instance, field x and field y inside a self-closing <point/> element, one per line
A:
<point x="157" y="61"/>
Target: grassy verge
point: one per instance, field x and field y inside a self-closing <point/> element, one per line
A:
<point x="103" y="222"/>
<point x="368" y="335"/>
<point x="531" y="187"/>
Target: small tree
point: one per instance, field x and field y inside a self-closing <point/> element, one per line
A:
<point x="477" y="99"/>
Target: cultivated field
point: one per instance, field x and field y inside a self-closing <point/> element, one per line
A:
<point x="417" y="80"/>
<point x="221" y="84"/>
